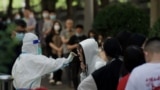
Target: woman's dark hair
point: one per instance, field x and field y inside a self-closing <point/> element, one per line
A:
<point x="52" y="30"/>
<point x="92" y="31"/>
<point x="133" y="56"/>
<point x="83" y="54"/>
<point x="84" y="59"/>
<point x="112" y="47"/>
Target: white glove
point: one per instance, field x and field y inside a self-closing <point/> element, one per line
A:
<point x="70" y="57"/>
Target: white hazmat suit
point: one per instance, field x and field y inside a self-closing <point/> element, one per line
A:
<point x="30" y="66"/>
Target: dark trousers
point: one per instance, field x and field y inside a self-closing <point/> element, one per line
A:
<point x="58" y="73"/>
<point x="74" y="71"/>
<point x="67" y="70"/>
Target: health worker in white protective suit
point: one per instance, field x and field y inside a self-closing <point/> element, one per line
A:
<point x="30" y="66"/>
<point x="89" y="57"/>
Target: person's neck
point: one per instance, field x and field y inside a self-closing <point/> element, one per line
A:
<point x="26" y="17"/>
<point x="155" y="58"/>
<point x="69" y="29"/>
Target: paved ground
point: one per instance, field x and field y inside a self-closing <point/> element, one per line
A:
<point x="64" y="86"/>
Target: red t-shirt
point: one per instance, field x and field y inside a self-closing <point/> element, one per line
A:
<point x="122" y="83"/>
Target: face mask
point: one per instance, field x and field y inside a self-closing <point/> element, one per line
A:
<point x="45" y="15"/>
<point x="31" y="16"/>
<point x="19" y="36"/>
<point x="39" y="51"/>
<point x="53" y="17"/>
<point x="8" y="21"/>
<point x="77" y="34"/>
<point x="17" y="17"/>
<point x="56" y="27"/>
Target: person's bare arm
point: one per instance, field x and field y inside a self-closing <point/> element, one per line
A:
<point x="64" y="40"/>
<point x="46" y="32"/>
<point x="71" y="47"/>
<point x="30" y="28"/>
<point x="53" y="46"/>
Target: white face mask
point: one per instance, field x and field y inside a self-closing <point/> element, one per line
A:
<point x="45" y="15"/>
<point x="78" y="34"/>
<point x="56" y="27"/>
<point x="31" y="16"/>
<point x="8" y="21"/>
<point x="53" y="17"/>
<point x="17" y="17"/>
<point x="39" y="50"/>
<point x="19" y="36"/>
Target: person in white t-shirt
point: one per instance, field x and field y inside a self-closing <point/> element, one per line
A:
<point x="147" y="76"/>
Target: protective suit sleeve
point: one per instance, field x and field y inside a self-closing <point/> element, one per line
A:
<point x="70" y="57"/>
<point x="46" y="65"/>
<point x="88" y="84"/>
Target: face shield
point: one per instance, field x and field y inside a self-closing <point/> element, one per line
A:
<point x="31" y="44"/>
<point x="39" y="50"/>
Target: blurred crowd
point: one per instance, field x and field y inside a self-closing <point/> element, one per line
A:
<point x="103" y="62"/>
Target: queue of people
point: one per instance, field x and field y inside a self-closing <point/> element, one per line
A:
<point x="128" y="61"/>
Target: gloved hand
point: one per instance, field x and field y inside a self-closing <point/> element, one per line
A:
<point x="70" y="57"/>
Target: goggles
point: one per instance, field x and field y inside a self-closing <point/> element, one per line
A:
<point x="32" y="42"/>
<point x="36" y="41"/>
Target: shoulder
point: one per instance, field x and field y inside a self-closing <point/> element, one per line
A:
<point x="88" y="79"/>
<point x="40" y="57"/>
<point x="84" y="36"/>
<point x="73" y="36"/>
<point x="140" y="68"/>
<point x="99" y="72"/>
<point x="116" y="62"/>
<point x="99" y="63"/>
<point x="138" y="72"/>
<point x="88" y="84"/>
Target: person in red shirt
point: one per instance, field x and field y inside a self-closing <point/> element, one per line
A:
<point x="133" y="57"/>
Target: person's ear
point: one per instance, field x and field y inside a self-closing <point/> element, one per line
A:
<point x="145" y="53"/>
<point x="147" y="56"/>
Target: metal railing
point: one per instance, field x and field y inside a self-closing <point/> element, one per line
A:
<point x="6" y="82"/>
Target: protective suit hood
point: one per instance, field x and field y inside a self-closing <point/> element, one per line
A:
<point x="93" y="61"/>
<point x="30" y="43"/>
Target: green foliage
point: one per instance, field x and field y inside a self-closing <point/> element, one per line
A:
<point x="6" y="48"/>
<point x="155" y="29"/>
<point x="119" y="17"/>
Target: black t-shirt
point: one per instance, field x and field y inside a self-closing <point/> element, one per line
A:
<point x="106" y="78"/>
<point x="48" y="39"/>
